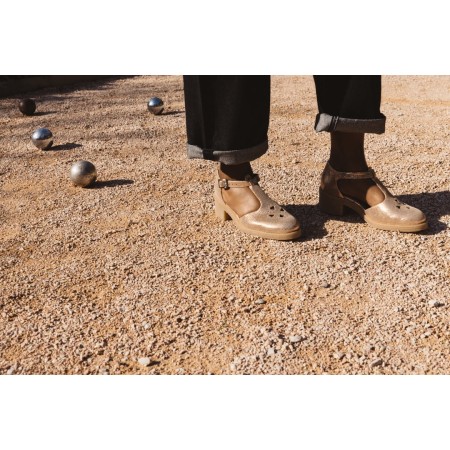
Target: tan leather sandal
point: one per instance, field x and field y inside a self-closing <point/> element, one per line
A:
<point x="269" y="221"/>
<point x="391" y="214"/>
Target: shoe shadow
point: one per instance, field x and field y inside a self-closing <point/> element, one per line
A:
<point x="433" y="204"/>
<point x="110" y="183"/>
<point x="312" y="221"/>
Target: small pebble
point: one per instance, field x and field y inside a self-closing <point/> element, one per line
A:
<point x="338" y="355"/>
<point x="144" y="361"/>
<point x="368" y="348"/>
<point x="295" y="339"/>
<point x="260" y="301"/>
<point x="10" y="371"/>
<point x="376" y="362"/>
<point x="325" y="284"/>
<point x="270" y="351"/>
<point x="435" y="303"/>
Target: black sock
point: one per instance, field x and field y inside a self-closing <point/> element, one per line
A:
<point x="236" y="171"/>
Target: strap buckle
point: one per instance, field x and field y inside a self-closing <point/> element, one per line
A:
<point x="223" y="183"/>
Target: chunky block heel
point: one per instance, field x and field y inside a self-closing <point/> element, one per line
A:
<point x="221" y="214"/>
<point x="331" y="205"/>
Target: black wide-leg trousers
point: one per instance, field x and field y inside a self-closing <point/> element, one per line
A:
<point x="227" y="116"/>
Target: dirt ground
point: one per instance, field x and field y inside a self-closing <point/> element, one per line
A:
<point x="94" y="281"/>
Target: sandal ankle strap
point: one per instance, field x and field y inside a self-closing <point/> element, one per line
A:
<point x="249" y="181"/>
<point x="353" y="175"/>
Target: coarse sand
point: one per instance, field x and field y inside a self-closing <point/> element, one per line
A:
<point x="137" y="276"/>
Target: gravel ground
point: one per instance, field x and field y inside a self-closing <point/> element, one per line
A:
<point x="136" y="275"/>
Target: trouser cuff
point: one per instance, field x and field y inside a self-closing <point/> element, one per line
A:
<point x="228" y="156"/>
<point x="325" y="122"/>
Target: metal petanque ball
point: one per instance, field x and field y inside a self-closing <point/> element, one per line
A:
<point x="83" y="173"/>
<point x="155" y="105"/>
<point x="42" y="138"/>
<point x="27" y="106"/>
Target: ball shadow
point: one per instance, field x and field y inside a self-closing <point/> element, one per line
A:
<point x="44" y="113"/>
<point x="67" y="146"/>
<point x="110" y="183"/>
<point x="172" y="113"/>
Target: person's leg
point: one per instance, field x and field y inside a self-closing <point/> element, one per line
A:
<point x="227" y="119"/>
<point x="349" y="107"/>
<point x="347" y="155"/>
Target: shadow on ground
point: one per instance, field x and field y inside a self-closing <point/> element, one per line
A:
<point x="173" y="113"/>
<point x="110" y="183"/>
<point x="51" y="86"/>
<point x="67" y="146"/>
<point x="311" y="219"/>
<point x="433" y="204"/>
<point x="44" y="113"/>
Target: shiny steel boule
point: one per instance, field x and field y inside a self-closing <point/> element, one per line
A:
<point x="27" y="106"/>
<point x="42" y="138"/>
<point x="83" y="173"/>
<point x="155" y="105"/>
